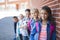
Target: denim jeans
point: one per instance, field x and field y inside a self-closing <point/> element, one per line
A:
<point x="25" y="38"/>
<point x="20" y="35"/>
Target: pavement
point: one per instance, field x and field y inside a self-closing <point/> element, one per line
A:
<point x="7" y="29"/>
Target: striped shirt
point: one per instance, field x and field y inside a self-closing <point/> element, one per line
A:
<point x="43" y="33"/>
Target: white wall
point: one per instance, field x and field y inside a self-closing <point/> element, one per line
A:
<point x="11" y="10"/>
<point x="7" y="13"/>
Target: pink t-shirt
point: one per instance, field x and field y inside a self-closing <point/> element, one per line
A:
<point x="43" y="34"/>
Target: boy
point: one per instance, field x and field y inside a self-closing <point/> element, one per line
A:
<point x="15" y="19"/>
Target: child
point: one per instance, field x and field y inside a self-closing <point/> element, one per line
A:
<point x="32" y="23"/>
<point x="27" y="18"/>
<point x="47" y="27"/>
<point x="15" y="19"/>
<point x="23" y="28"/>
<point x="19" y="29"/>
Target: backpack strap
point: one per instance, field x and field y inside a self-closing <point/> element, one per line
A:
<point x="52" y="28"/>
<point x="29" y="27"/>
<point x="37" y="26"/>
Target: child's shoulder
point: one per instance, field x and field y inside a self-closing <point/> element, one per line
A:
<point x="20" y="21"/>
<point x="33" y="21"/>
<point x="51" y="24"/>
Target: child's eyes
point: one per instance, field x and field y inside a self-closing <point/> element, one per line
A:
<point x="44" y="13"/>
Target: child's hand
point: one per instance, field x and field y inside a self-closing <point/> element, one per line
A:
<point x="21" y="26"/>
<point x="16" y="35"/>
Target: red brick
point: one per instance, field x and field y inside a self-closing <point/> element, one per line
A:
<point x="56" y="10"/>
<point x="45" y="2"/>
<point x="53" y="3"/>
<point x="55" y="15"/>
<point x="57" y="38"/>
<point x="58" y="29"/>
<point x="57" y="24"/>
<point x="54" y="6"/>
<point x="58" y="19"/>
<point x="59" y="1"/>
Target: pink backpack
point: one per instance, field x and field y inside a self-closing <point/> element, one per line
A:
<point x="37" y="26"/>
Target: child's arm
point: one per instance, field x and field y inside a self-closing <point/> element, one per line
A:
<point x="54" y="32"/>
<point x="17" y="30"/>
<point x="54" y="35"/>
<point x="21" y="26"/>
<point x="33" y="32"/>
<point x="24" y="26"/>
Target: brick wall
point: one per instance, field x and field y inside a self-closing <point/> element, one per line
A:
<point x="55" y="7"/>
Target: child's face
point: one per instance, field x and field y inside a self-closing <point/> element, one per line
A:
<point x="35" y="15"/>
<point x="15" y="19"/>
<point x="27" y="14"/>
<point x="44" y="15"/>
<point x="21" y="16"/>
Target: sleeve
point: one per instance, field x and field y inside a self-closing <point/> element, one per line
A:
<point x="17" y="30"/>
<point x="54" y="33"/>
<point x="33" y="32"/>
<point x="28" y="24"/>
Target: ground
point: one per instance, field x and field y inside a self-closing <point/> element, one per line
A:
<point x="6" y="29"/>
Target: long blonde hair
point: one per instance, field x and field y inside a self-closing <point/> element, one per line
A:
<point x="35" y="10"/>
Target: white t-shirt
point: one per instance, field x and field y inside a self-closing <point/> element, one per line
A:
<point x="23" y="31"/>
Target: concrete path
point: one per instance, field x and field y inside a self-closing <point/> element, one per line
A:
<point x="6" y="29"/>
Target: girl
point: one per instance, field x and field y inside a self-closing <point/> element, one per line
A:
<point x="46" y="27"/>
<point x="32" y="23"/>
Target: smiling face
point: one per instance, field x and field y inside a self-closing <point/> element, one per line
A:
<point x="35" y="13"/>
<point x="15" y="19"/>
<point x="44" y="14"/>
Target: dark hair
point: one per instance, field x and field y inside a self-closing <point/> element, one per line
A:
<point x="50" y="17"/>
<point x="27" y="10"/>
<point x="15" y="17"/>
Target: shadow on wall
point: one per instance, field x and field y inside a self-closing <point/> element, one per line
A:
<point x="6" y="29"/>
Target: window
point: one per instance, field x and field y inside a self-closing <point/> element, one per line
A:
<point x="11" y="6"/>
<point x="2" y="0"/>
<point x="12" y="0"/>
<point x="2" y="7"/>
